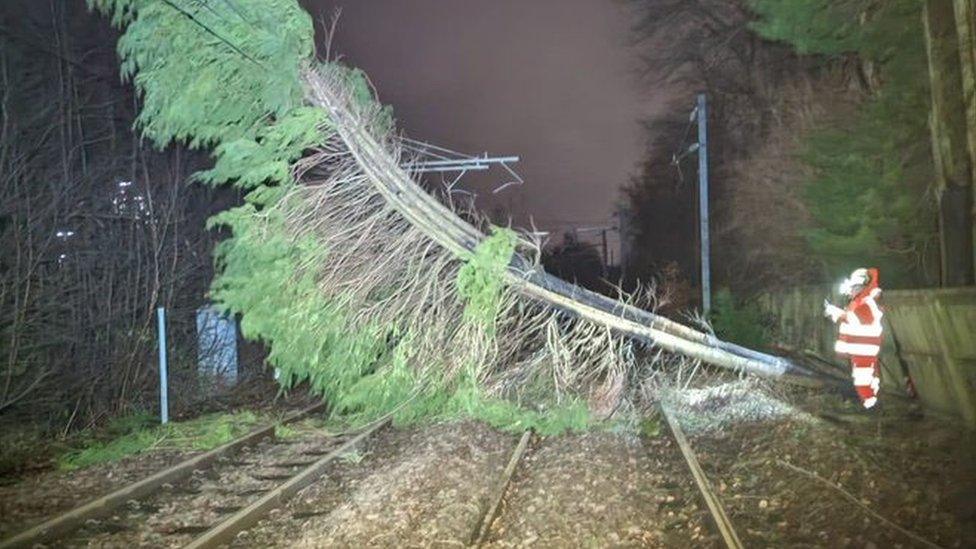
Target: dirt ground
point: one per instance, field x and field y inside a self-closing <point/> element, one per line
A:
<point x="33" y="499"/>
<point x="602" y="490"/>
<point x="428" y="487"/>
<point x="848" y="479"/>
<point x="174" y="515"/>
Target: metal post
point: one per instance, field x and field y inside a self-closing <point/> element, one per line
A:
<point x="606" y="252"/>
<point x="623" y="230"/>
<point x="706" y="275"/>
<point x="163" y="387"/>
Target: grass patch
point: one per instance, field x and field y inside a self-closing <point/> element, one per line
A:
<point x="286" y="432"/>
<point x="136" y="434"/>
<point x="650" y="426"/>
<point x="352" y="456"/>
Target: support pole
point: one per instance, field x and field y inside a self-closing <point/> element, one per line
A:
<point x="706" y="274"/>
<point x="163" y="374"/>
<point x="606" y="252"/>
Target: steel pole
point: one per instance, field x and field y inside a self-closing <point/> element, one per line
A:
<point x="706" y="275"/>
<point x="606" y="252"/>
<point x="163" y="374"/>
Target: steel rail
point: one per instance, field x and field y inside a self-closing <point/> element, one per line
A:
<point x="483" y="525"/>
<point x="719" y="517"/>
<point x="64" y="523"/>
<point x="225" y="531"/>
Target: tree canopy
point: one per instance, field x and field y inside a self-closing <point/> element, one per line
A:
<point x="869" y="192"/>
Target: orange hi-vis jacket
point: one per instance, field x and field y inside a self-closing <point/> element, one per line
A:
<point x="859" y="331"/>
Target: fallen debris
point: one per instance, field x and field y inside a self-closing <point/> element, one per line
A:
<point x="716" y="407"/>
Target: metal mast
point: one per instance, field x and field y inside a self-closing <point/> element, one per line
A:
<point x="706" y="274"/>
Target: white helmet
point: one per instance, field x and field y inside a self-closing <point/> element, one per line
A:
<point x="855" y="283"/>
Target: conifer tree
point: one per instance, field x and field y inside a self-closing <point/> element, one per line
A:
<point x="870" y="188"/>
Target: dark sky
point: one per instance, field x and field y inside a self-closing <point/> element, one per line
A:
<point x="552" y="81"/>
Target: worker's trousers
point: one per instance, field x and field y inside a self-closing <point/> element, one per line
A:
<point x="867" y="379"/>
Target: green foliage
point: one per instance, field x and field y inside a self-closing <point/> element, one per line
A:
<point x="286" y="432"/>
<point x="364" y="373"/>
<point x="363" y="94"/>
<point x="250" y="162"/>
<point x="871" y="172"/>
<point x="546" y="418"/>
<point x="554" y="420"/>
<point x="128" y="424"/>
<point x="139" y="433"/>
<point x="481" y="280"/>
<point x="211" y="73"/>
<point x="309" y="336"/>
<point x="811" y="26"/>
<point x="737" y="321"/>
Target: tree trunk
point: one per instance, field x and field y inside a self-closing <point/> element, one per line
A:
<point x="949" y="144"/>
<point x="966" y="30"/>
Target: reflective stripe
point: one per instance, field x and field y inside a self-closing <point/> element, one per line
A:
<point x="856" y="349"/>
<point x="875" y="385"/>
<point x="867" y="330"/>
<point x="863" y="376"/>
<point x="871" y="340"/>
<point x="869" y="402"/>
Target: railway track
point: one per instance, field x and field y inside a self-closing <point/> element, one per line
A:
<point x="719" y="519"/>
<point x="206" y="501"/>
<point x="409" y="491"/>
<point x="203" y="501"/>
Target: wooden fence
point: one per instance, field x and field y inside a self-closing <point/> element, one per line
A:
<point x="929" y="333"/>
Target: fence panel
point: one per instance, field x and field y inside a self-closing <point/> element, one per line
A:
<point x="930" y="333"/>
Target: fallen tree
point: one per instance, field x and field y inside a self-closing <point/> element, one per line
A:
<point x="376" y="292"/>
<point x="380" y="166"/>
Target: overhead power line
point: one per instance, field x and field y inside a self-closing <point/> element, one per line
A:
<point x="212" y="32"/>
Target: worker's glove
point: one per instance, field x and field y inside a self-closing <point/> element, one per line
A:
<point x="832" y="312"/>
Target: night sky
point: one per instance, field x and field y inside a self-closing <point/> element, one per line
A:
<point x="553" y="81"/>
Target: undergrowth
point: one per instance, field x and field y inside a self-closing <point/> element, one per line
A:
<point x="139" y="433"/>
<point x="25" y="447"/>
<point x="738" y="321"/>
<point x="286" y="432"/>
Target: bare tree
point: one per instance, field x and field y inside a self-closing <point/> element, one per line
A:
<point x="949" y="144"/>
<point x="760" y="95"/>
<point x="96" y="230"/>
